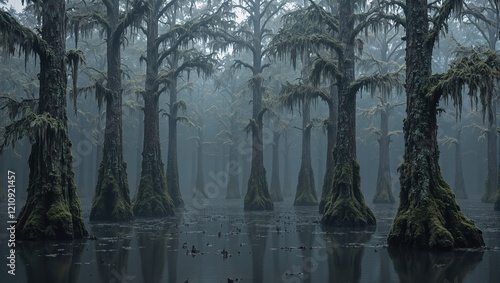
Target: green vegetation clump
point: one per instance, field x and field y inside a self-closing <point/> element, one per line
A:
<point x="111" y="202"/>
<point x="433" y="220"/>
<point x="346" y="206"/>
<point x="152" y="199"/>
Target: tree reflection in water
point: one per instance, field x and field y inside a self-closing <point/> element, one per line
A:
<point x="60" y="264"/>
<point x="424" y="266"/>
<point x="258" y="227"/>
<point x="159" y="240"/>
<point x="345" y="252"/>
<point x="112" y="250"/>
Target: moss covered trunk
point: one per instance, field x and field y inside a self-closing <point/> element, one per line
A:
<point x="331" y="133"/>
<point x="383" y="193"/>
<point x="459" y="187"/>
<point x="428" y="216"/>
<point x="112" y="198"/>
<point x="257" y="196"/>
<point x="233" y="184"/>
<point x="52" y="210"/>
<point x="491" y="184"/>
<point x="305" y="194"/>
<point x="275" y="177"/>
<point x="346" y="205"/>
<point x="152" y="198"/>
<point x="172" y="166"/>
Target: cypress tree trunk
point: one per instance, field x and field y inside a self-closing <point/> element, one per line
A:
<point x="491" y="184"/>
<point x="112" y="199"/>
<point x="172" y="167"/>
<point x="52" y="210"/>
<point x="275" y="177"/>
<point x="233" y="184"/>
<point x="459" y="190"/>
<point x="497" y="198"/>
<point x="287" y="192"/>
<point x="384" y="182"/>
<point x="200" y="182"/>
<point x="333" y="107"/>
<point x="346" y="205"/>
<point x="152" y="198"/>
<point x="257" y="196"/>
<point x="306" y="190"/>
<point x="428" y="216"/>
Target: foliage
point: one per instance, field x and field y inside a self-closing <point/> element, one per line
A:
<point x="477" y="72"/>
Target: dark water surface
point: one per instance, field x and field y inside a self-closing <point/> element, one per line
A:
<point x="284" y="245"/>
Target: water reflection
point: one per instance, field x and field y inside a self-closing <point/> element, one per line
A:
<point x="306" y="240"/>
<point x="419" y="266"/>
<point x="258" y="228"/>
<point x="345" y="253"/>
<point x="53" y="262"/>
<point x="112" y="249"/>
<point x="158" y="240"/>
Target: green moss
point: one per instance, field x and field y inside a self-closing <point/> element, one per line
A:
<point x="152" y="199"/>
<point x="257" y="197"/>
<point x="346" y="206"/>
<point x="52" y="210"/>
<point x="327" y="188"/>
<point x="112" y="200"/>
<point x="434" y="222"/>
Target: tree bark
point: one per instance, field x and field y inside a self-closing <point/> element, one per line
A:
<point x="112" y="199"/>
<point x="172" y="166"/>
<point x="287" y="192"/>
<point x="52" y="210"/>
<point x="305" y="194"/>
<point x="491" y="184"/>
<point x="384" y="180"/>
<point x="257" y="196"/>
<point x="459" y="187"/>
<point x="275" y="177"/>
<point x="428" y="216"/>
<point x="331" y="132"/>
<point x="152" y="198"/>
<point x="200" y="180"/>
<point x="346" y="205"/>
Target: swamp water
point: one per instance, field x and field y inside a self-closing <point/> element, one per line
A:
<point x="284" y="245"/>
